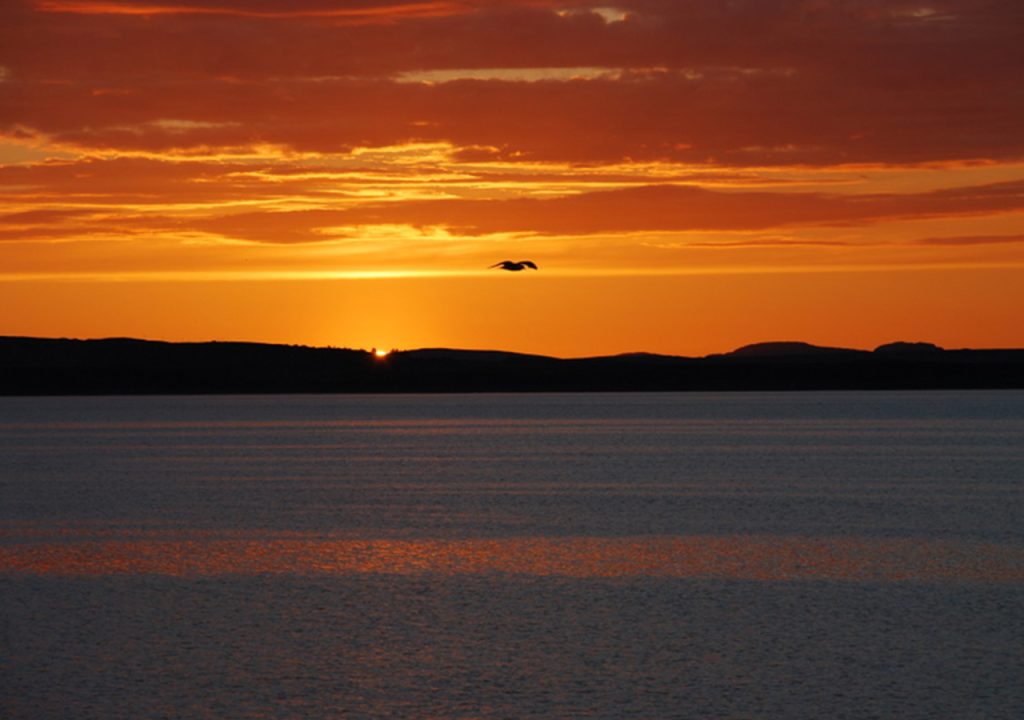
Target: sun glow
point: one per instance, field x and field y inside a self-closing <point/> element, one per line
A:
<point x="375" y="171"/>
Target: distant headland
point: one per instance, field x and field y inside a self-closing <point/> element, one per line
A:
<point x="38" y="366"/>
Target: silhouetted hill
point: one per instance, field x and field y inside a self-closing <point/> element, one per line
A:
<point x="789" y="349"/>
<point x="33" y="366"/>
<point x="908" y="348"/>
<point x="120" y="365"/>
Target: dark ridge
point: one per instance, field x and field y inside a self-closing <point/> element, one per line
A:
<point x="652" y="357"/>
<point x="908" y="348"/>
<point x="487" y="356"/>
<point x="788" y="348"/>
<point x="32" y="366"/>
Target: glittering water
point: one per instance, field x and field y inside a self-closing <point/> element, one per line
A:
<point x="805" y="555"/>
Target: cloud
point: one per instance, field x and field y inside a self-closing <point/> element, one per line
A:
<point x="757" y="82"/>
<point x="318" y="126"/>
<point x="971" y="240"/>
<point x="741" y="121"/>
<point x="132" y="180"/>
<point x="365" y="12"/>
<point x="285" y="201"/>
<point x="650" y="209"/>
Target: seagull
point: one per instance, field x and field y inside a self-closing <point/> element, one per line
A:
<point x="515" y="266"/>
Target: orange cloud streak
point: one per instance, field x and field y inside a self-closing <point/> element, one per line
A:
<point x="319" y="10"/>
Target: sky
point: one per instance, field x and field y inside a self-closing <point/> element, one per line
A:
<point x="689" y="175"/>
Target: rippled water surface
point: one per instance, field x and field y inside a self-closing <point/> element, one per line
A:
<point x="803" y="555"/>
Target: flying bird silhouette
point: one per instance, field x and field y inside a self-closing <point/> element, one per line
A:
<point x="515" y="266"/>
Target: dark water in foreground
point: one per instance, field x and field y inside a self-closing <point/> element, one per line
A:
<point x="806" y="555"/>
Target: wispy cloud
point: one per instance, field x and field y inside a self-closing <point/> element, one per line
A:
<point x="968" y="241"/>
<point x="772" y="82"/>
<point x="324" y="136"/>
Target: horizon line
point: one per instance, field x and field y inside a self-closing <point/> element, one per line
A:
<point x="381" y="352"/>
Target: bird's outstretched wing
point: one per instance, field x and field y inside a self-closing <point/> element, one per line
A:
<point x="527" y="263"/>
<point x="503" y="263"/>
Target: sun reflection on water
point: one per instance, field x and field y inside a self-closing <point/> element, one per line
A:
<point x="754" y="557"/>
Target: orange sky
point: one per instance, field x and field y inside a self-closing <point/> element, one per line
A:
<point x="690" y="175"/>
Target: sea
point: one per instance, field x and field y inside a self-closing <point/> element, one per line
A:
<point x="782" y="556"/>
